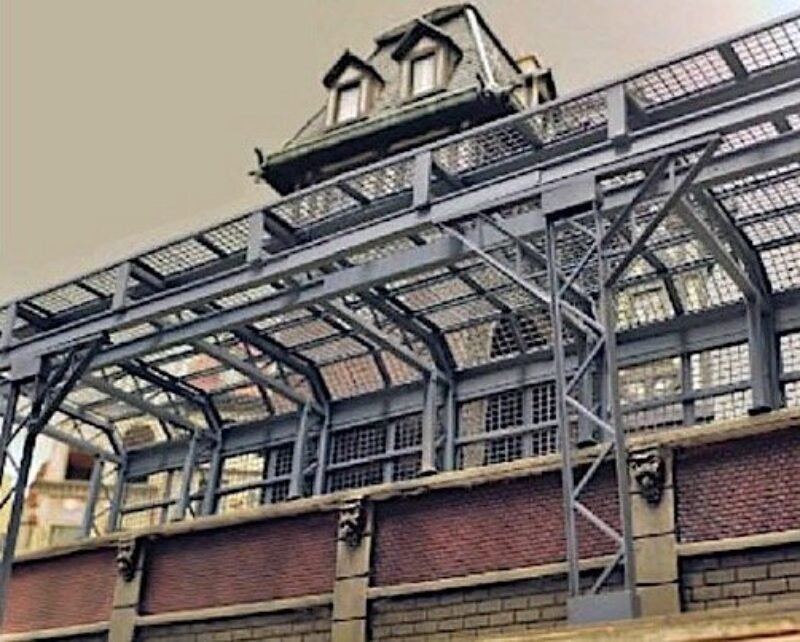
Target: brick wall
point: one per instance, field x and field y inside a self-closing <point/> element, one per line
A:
<point x="280" y="558"/>
<point x="741" y="578"/>
<point x="478" y="612"/>
<point x="61" y="591"/>
<point x="497" y="526"/>
<point x="739" y="488"/>
<point x="308" y="625"/>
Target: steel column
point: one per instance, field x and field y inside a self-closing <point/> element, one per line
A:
<point x="15" y="518"/>
<point x="95" y="482"/>
<point x="429" y="425"/>
<point x="298" y="455"/>
<point x="209" y="506"/>
<point x="450" y="427"/>
<point x="763" y="356"/>
<point x="117" y="498"/>
<point x="185" y="497"/>
<point x="564" y="432"/>
<point x="9" y="414"/>
<point x="609" y="319"/>
<point x="320" y="476"/>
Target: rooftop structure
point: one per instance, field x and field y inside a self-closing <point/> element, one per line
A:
<point x="468" y="271"/>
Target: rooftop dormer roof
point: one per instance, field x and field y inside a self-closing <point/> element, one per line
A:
<point x="347" y="60"/>
<point x="420" y="29"/>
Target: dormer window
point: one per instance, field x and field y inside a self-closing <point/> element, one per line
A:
<point x="427" y="57"/>
<point x="423" y="74"/>
<point x="348" y="99"/>
<point x="353" y="86"/>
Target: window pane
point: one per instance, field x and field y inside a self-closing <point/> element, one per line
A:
<point x="423" y="74"/>
<point x="347" y="103"/>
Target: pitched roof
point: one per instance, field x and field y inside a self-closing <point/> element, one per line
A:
<point x="435" y="17"/>
<point x="419" y="29"/>
<point x="348" y="59"/>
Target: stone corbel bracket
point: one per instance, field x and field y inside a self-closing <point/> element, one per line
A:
<point x="127" y="558"/>
<point x="648" y="469"/>
<point x="353" y="522"/>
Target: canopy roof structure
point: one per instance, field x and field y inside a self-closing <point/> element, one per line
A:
<point x="410" y="316"/>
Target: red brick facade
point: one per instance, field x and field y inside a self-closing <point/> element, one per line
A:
<point x="739" y="488"/>
<point x="61" y="591"/>
<point x="494" y="527"/>
<point x="275" y="559"/>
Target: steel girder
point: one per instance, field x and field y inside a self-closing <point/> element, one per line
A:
<point x="52" y="379"/>
<point x="600" y="158"/>
<point x="311" y="267"/>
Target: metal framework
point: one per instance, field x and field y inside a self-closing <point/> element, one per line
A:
<point x="622" y="259"/>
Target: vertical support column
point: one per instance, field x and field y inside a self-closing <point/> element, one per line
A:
<point x="95" y="482"/>
<point x="184" y="499"/>
<point x="14" y="520"/>
<point x="127" y="591"/>
<point x="763" y="351"/>
<point x="163" y="516"/>
<point x="617" y="110"/>
<point x="653" y="513"/>
<point x="527" y="421"/>
<point x="429" y="425"/>
<point x="609" y="321"/>
<point x="298" y="455"/>
<point x="564" y="437"/>
<point x="450" y="426"/>
<point x="120" y="299"/>
<point x="586" y="394"/>
<point x="353" y="551"/>
<point x="423" y="165"/>
<point x="209" y="506"/>
<point x="686" y="389"/>
<point x="117" y="498"/>
<point x="391" y="440"/>
<point x="9" y="414"/>
<point x="255" y="238"/>
<point x="320" y="476"/>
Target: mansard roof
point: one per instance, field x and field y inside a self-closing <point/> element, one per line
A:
<point x="461" y="102"/>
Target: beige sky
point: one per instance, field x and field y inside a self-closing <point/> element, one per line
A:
<point x="127" y="123"/>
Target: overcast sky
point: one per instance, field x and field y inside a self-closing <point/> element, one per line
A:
<point x="127" y="123"/>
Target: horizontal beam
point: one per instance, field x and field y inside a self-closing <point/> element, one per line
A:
<point x="378" y="337"/>
<point x="599" y="158"/>
<point x="373" y="407"/>
<point x="441" y="252"/>
<point x="81" y="444"/>
<point x="254" y="374"/>
<point x="714" y="328"/>
<point x="138" y="402"/>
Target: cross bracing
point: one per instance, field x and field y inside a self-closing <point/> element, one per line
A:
<point x="399" y="319"/>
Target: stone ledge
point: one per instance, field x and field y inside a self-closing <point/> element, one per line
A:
<point x="677" y="437"/>
<point x="55" y="634"/>
<point x="482" y="579"/>
<point x="762" y="540"/>
<point x="236" y="610"/>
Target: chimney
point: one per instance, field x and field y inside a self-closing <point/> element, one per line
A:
<point x="536" y="84"/>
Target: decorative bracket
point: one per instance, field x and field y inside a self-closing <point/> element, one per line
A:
<point x="353" y="522"/>
<point x="649" y="471"/>
<point x="127" y="558"/>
